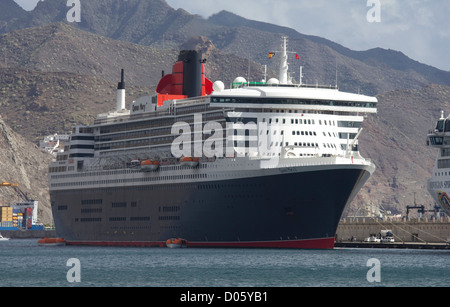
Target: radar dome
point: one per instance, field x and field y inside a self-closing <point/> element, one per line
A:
<point x="240" y="80"/>
<point x="218" y="86"/>
<point x="273" y="81"/>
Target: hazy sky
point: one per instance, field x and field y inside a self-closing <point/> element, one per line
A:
<point x="418" y="28"/>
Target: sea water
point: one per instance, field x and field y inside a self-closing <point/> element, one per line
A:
<point x="25" y="264"/>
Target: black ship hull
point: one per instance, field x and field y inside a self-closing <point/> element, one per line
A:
<point x="290" y="210"/>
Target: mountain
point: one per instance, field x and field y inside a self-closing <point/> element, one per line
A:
<point x="145" y="22"/>
<point x="371" y="72"/>
<point x="36" y="104"/>
<point x="154" y="23"/>
<point x="58" y="47"/>
<point x="10" y="11"/>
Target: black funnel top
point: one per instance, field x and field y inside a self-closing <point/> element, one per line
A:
<point x="192" y="76"/>
<point x="121" y="85"/>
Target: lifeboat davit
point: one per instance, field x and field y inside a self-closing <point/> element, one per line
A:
<point x="52" y="242"/>
<point x="176" y="243"/>
<point x="189" y="161"/>
<point x="149" y="165"/>
<point x="135" y="164"/>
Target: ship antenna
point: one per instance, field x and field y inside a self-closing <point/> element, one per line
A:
<point x="336" y="74"/>
<point x="265" y="73"/>
<point x="301" y="75"/>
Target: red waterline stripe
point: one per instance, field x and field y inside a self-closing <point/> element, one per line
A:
<point x="327" y="243"/>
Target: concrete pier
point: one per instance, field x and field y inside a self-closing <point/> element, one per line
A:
<point x="29" y="234"/>
<point x="417" y="231"/>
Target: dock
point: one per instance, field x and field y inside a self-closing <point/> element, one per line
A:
<point x="416" y="233"/>
<point x="28" y="234"/>
<point x="400" y="245"/>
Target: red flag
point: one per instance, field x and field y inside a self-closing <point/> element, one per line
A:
<point x="271" y="55"/>
<point x="297" y="57"/>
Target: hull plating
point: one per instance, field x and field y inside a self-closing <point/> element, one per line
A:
<point x="294" y="210"/>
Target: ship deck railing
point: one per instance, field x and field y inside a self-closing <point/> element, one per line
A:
<point x="170" y="111"/>
<point x="312" y="161"/>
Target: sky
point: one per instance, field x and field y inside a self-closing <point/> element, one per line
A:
<point x="418" y="28"/>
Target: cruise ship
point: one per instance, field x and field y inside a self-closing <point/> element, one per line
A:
<point x="266" y="164"/>
<point x="439" y="183"/>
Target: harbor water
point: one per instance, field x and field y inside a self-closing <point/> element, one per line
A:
<point x="25" y="264"/>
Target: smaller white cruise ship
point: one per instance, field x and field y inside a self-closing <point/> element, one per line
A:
<point x="439" y="183"/>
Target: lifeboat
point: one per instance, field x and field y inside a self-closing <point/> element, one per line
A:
<point x="149" y="165"/>
<point x="189" y="162"/>
<point x="52" y="242"/>
<point x="176" y="243"/>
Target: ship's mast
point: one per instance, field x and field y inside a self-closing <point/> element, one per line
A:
<point x="284" y="62"/>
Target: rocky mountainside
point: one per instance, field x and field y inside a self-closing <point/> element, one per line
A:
<point x="154" y="23"/>
<point x="36" y="104"/>
<point x="24" y="163"/>
<point x="54" y="75"/>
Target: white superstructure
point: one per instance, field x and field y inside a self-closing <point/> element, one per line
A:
<point x="270" y="126"/>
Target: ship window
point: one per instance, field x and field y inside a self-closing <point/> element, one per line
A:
<point x="445" y="152"/>
<point x="437" y="140"/>
<point x="444" y="163"/>
<point x="440" y="125"/>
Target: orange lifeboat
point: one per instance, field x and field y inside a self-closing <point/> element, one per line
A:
<point x="52" y="242"/>
<point x="189" y="161"/>
<point x="176" y="243"/>
<point x="149" y="165"/>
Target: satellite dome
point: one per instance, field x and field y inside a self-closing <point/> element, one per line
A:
<point x="273" y="81"/>
<point x="240" y="80"/>
<point x="218" y="86"/>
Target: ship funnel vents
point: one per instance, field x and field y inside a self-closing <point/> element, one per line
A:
<point x="192" y="77"/>
<point x="121" y="85"/>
